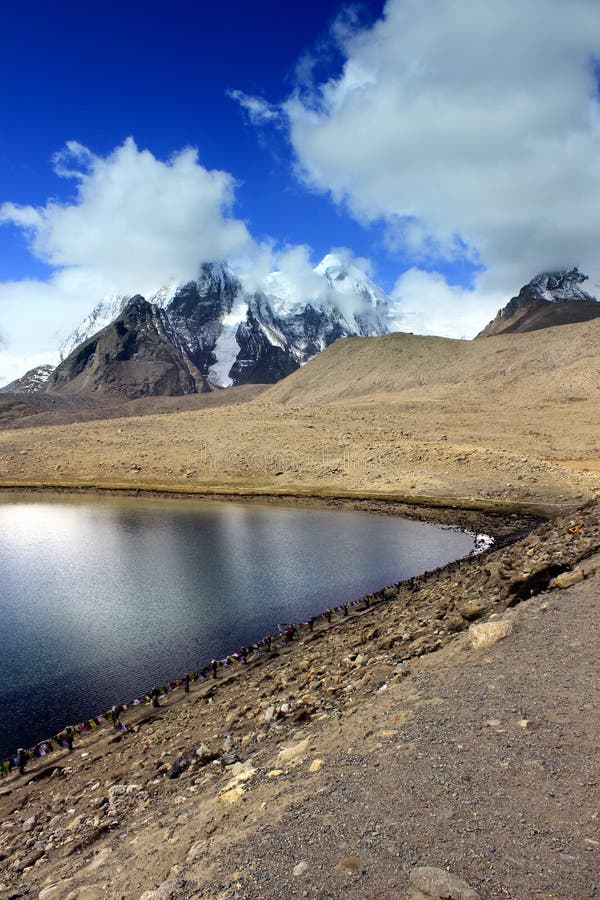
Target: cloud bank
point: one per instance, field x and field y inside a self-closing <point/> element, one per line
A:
<point x="135" y="222"/>
<point x="471" y="130"/>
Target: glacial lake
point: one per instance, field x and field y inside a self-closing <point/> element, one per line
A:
<point x="102" y="598"/>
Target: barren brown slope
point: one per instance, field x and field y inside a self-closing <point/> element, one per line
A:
<point x="555" y="364"/>
<point x="400" y="415"/>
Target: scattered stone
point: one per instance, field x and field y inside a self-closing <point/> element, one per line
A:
<point x="204" y="753"/>
<point x="88" y="892"/>
<point x="474" y="609"/>
<point x="229" y="759"/>
<point x="441" y="885"/>
<point x="171" y="889"/>
<point x="119" y="790"/>
<point x="234" y="789"/>
<point x="197" y="851"/>
<point x="316" y="765"/>
<point x="29" y="860"/>
<point x="56" y="891"/>
<point x="180" y="765"/>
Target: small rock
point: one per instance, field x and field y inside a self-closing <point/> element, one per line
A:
<point x="316" y="765"/>
<point x="55" y="891"/>
<point x="293" y="752"/>
<point x="350" y="865"/>
<point x="88" y="892"/>
<point x="441" y="885"/>
<point x="196" y="851"/>
<point x="568" y="579"/>
<point x="488" y="633"/>
<point x="472" y="610"/>
<point x="29" y="824"/>
<point x="300" y="868"/>
<point x="171" y="889"/>
<point x="180" y="765"/>
<point x="28" y="860"/>
<point x="234" y="790"/>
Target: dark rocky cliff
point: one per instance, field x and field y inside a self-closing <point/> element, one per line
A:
<point x="137" y="355"/>
<point x="551" y="298"/>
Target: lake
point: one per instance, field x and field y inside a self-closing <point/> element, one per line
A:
<point x="101" y="598"/>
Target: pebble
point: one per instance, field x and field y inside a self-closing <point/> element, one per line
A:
<point x="441" y="884"/>
<point x="568" y="579"/>
<point x="351" y="865"/>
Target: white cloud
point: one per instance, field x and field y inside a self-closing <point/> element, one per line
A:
<point x="134" y="224"/>
<point x="471" y="130"/>
<point x="259" y="111"/>
<point x="426" y="304"/>
<point x="288" y="273"/>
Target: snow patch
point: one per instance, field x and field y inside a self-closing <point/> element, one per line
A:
<point x="227" y="347"/>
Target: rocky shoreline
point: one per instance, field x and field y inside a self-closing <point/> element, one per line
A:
<point x="501" y="530"/>
<point x="200" y="795"/>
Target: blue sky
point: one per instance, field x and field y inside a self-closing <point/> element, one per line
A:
<point x="160" y="72"/>
<point x="452" y="148"/>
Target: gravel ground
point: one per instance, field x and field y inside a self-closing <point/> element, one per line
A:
<point x="485" y="762"/>
<point x="385" y="743"/>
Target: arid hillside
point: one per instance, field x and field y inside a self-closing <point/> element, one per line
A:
<point x="554" y="365"/>
<point x="511" y="418"/>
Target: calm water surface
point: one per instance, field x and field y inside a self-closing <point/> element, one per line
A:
<point x="102" y="598"/>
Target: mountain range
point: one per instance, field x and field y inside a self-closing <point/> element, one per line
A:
<point x="215" y="333"/>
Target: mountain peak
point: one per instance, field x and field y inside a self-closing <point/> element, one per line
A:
<point x="550" y="298"/>
<point x="331" y="261"/>
<point x="560" y="286"/>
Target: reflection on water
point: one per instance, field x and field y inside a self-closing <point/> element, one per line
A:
<point x="101" y="598"/>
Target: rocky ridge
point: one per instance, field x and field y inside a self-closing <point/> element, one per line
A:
<point x="238" y="336"/>
<point x="137" y="355"/>
<point x="551" y="298"/>
<point x="367" y="759"/>
<point x="31" y="382"/>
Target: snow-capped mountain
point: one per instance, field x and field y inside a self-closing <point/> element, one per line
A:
<point x="31" y="382"/>
<point x="137" y="355"/>
<point x="551" y="298"/>
<point x="235" y="336"/>
<point x="105" y="312"/>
